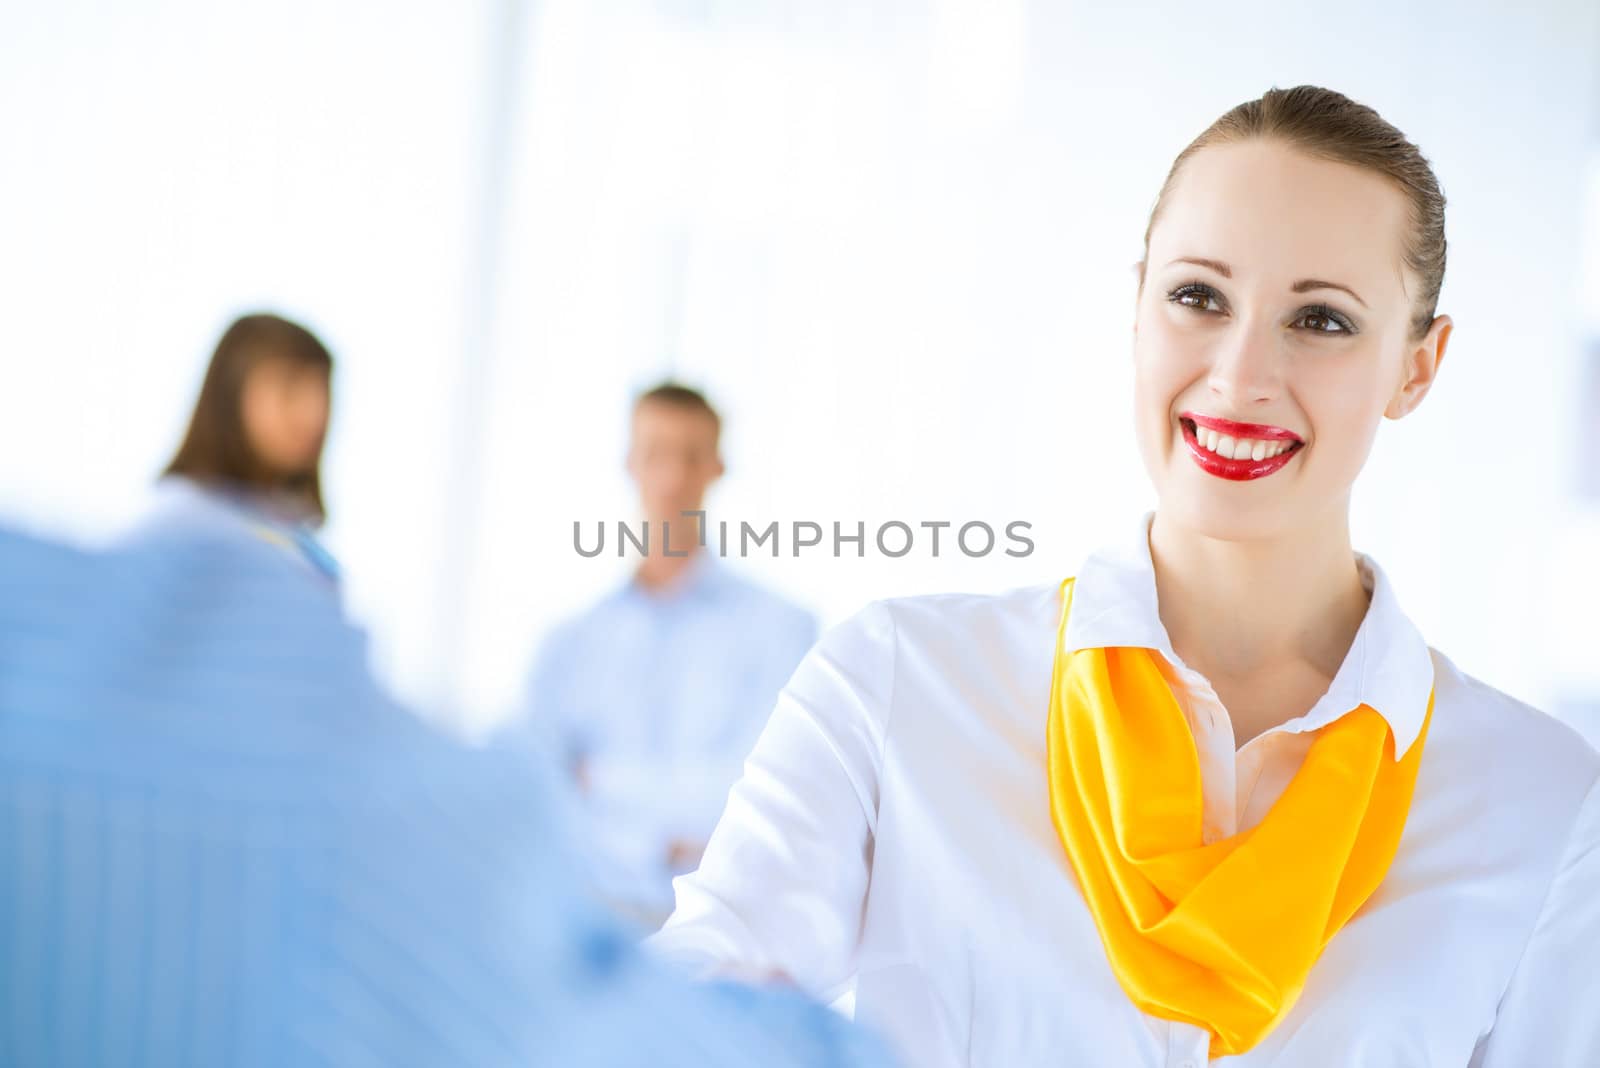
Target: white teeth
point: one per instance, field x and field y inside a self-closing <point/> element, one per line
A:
<point x="1240" y="448"/>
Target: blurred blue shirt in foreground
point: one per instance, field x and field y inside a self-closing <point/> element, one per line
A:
<point x="221" y="844"/>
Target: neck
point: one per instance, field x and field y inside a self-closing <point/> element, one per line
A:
<point x="657" y="573"/>
<point x="1247" y="609"/>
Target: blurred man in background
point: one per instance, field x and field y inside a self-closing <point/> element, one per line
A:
<point x="653" y="697"/>
<point x="222" y="844"/>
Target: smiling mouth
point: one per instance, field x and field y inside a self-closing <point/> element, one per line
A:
<point x="1238" y="458"/>
<point x="1241" y="447"/>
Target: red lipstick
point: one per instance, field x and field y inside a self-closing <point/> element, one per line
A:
<point x="1237" y="470"/>
<point x="1258" y="431"/>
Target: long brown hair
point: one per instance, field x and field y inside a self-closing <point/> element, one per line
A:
<point x="1328" y="125"/>
<point x="216" y="450"/>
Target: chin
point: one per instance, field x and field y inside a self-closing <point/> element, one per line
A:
<point x="1223" y="516"/>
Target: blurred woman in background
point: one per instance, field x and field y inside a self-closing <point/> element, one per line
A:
<point x="253" y="450"/>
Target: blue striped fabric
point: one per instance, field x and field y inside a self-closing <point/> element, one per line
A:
<point x="222" y="844"/>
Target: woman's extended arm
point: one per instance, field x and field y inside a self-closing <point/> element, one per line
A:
<point x="784" y="877"/>
<point x="1550" y="1013"/>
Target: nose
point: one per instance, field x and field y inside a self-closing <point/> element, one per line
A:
<point x="1246" y="368"/>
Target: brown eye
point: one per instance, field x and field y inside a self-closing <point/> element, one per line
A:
<point x="1324" y="320"/>
<point x="1197" y="296"/>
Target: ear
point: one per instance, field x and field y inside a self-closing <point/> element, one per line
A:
<point x="1419" y="368"/>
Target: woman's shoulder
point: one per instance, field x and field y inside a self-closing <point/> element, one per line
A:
<point x="1507" y="737"/>
<point x="1016" y="616"/>
<point x="1013" y="606"/>
<point x="179" y="506"/>
<point x="948" y="632"/>
<point x="927" y="654"/>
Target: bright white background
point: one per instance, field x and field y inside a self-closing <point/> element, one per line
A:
<point x="891" y="240"/>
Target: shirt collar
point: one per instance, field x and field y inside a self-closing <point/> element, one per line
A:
<point x="1388" y="666"/>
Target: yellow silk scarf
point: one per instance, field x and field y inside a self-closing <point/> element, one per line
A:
<point x="1224" y="934"/>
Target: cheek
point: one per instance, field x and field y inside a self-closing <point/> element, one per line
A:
<point x="1343" y="396"/>
<point x="280" y="422"/>
<point x="656" y="473"/>
<point x="1164" y="368"/>
<point x="705" y="467"/>
<point x="1169" y="354"/>
<point x="1344" y="406"/>
<point x="314" y="415"/>
<point x="261" y="410"/>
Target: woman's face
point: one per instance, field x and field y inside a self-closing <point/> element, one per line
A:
<point x="284" y="405"/>
<point x="1295" y="325"/>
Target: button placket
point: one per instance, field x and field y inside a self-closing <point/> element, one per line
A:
<point x="1213" y="734"/>
<point x="1217" y="772"/>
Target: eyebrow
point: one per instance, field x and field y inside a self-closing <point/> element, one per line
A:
<point x="1302" y="286"/>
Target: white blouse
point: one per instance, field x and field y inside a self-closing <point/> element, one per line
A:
<point x="892" y="831"/>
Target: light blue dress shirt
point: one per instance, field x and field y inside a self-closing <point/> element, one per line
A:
<point x="221" y="844"/>
<point x="662" y="694"/>
<point x="178" y="501"/>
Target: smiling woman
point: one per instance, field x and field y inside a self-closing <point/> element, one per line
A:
<point x="1268" y="232"/>
<point x="1213" y="794"/>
